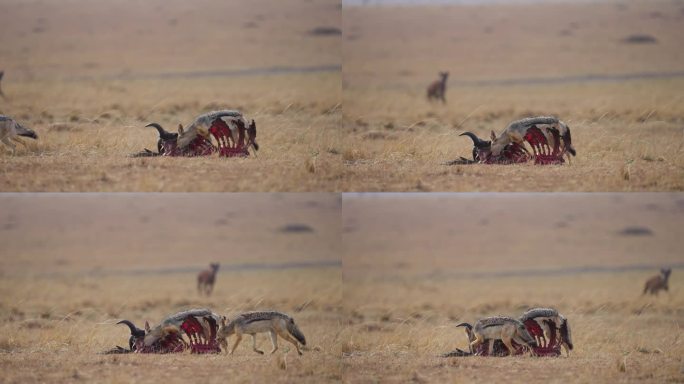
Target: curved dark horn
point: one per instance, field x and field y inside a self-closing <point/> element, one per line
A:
<point x="135" y="331"/>
<point x="163" y="134"/>
<point x="159" y="127"/>
<point x="468" y="326"/>
<point x="476" y="140"/>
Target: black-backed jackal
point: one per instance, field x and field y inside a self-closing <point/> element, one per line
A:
<point x="437" y="89"/>
<point x="515" y="133"/>
<point x="553" y="326"/>
<point x="506" y="329"/>
<point x="207" y="278"/>
<point x="658" y="282"/>
<point x="250" y="323"/>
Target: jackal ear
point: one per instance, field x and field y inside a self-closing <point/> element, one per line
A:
<point x="493" y="136"/>
<point x="180" y="129"/>
<point x="223" y="321"/>
<point x="147" y="327"/>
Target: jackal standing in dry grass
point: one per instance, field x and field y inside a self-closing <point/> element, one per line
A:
<point x="251" y="323"/>
<point x="658" y="282"/>
<point x="207" y="278"/>
<point x="437" y="89"/>
<point x="502" y="328"/>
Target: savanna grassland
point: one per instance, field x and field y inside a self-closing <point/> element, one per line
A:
<point x="73" y="266"/>
<point x="611" y="70"/>
<point x="417" y="265"/>
<point x="88" y="76"/>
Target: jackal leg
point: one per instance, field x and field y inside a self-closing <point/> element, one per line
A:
<point x="522" y="343"/>
<point x="546" y="332"/>
<point x="490" y="347"/>
<point x="19" y="140"/>
<point x="554" y="332"/>
<point x="9" y="143"/>
<point x="254" y="347"/>
<point x="238" y="338"/>
<point x="478" y="340"/>
<point x="509" y="346"/>
<point x="274" y="341"/>
<point x="292" y="340"/>
<point x="567" y="351"/>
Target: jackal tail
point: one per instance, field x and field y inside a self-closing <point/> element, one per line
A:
<point x="26" y="132"/>
<point x="466" y="326"/>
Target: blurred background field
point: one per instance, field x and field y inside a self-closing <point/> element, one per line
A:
<point x="88" y="76"/>
<point x="612" y="70"/>
<point x="72" y="266"/>
<point x="415" y="265"/>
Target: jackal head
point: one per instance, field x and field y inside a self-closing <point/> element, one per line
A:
<point x="665" y="272"/>
<point x="565" y="334"/>
<point x="251" y="136"/>
<point x="222" y="334"/>
<point x="499" y="143"/>
<point x="482" y="149"/>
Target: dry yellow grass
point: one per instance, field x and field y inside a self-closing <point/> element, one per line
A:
<point x="400" y="327"/>
<point x="628" y="133"/>
<point x="415" y="266"/>
<point x="54" y="327"/>
<point x="377" y="293"/>
<point x="89" y="76"/>
<point x="85" y="139"/>
<point x="80" y="263"/>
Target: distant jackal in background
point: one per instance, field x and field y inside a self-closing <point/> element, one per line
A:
<point x="251" y="323"/>
<point x="437" y="89"/>
<point x="207" y="278"/>
<point x="658" y="282"/>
